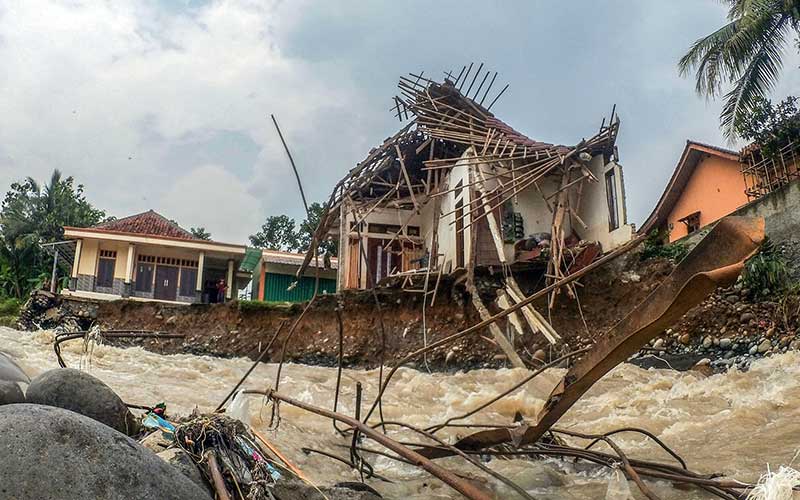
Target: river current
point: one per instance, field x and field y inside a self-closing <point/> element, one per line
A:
<point x="736" y="423"/>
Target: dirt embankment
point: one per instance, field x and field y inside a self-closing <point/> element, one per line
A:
<point x="243" y="329"/>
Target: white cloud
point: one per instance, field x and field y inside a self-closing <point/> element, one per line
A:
<point x="103" y="90"/>
<point x="211" y="197"/>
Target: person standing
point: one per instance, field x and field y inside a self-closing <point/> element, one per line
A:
<point x="222" y="287"/>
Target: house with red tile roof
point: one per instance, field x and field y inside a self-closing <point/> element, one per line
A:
<point x="706" y="185"/>
<point x="149" y="257"/>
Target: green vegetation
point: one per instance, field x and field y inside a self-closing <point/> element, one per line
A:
<point x="746" y="53"/>
<point x="772" y="126"/>
<point x="9" y="310"/>
<point x="279" y="232"/>
<point x="32" y="214"/>
<point x="766" y="272"/>
<point x="654" y="246"/>
<point x="200" y="233"/>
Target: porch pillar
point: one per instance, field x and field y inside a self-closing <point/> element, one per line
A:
<point x="73" y="277"/>
<point x="261" y="280"/>
<point x="229" y="291"/>
<point x="198" y="288"/>
<point x="127" y="288"/>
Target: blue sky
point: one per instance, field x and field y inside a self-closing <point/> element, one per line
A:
<point x="166" y="105"/>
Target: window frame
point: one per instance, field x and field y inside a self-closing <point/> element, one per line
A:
<point x="612" y="199"/>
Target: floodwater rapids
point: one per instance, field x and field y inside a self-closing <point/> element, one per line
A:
<point x="735" y="423"/>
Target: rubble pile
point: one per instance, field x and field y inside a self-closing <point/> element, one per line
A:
<point x="45" y="310"/>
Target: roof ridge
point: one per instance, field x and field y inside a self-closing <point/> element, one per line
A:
<point x="148" y="222"/>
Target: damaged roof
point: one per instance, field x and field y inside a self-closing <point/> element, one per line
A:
<point x="445" y="119"/>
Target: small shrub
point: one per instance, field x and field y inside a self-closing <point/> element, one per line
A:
<point x="654" y="246"/>
<point x="9" y="307"/>
<point x="766" y="272"/>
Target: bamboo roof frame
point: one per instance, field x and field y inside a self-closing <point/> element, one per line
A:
<point x="441" y="112"/>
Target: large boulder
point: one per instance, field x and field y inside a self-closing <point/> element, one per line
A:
<point x="82" y="393"/>
<point x="10" y="393"/>
<point x="54" y="454"/>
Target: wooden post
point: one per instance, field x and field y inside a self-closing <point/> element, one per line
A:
<point x="53" y="274"/>
<point x="261" y="280"/>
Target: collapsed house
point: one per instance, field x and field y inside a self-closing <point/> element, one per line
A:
<point x="457" y="191"/>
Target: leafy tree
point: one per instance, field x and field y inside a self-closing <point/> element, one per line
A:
<point x="745" y="53"/>
<point x="280" y="232"/>
<point x="306" y="231"/>
<point x="772" y="126"/>
<point x="32" y="214"/>
<point x="277" y="233"/>
<point x="200" y="233"/>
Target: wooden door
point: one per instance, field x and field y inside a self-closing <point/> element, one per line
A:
<point x="353" y="279"/>
<point x="166" y="283"/>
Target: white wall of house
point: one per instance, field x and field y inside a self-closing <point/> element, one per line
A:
<point x="536" y="214"/>
<point x="594" y="209"/>
<point x="447" y="226"/>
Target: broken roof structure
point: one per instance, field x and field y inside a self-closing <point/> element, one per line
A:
<point x="457" y="189"/>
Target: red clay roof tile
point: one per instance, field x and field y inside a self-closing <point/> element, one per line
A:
<point x="149" y="223"/>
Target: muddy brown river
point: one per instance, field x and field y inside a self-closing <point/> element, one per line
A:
<point x="736" y="423"/>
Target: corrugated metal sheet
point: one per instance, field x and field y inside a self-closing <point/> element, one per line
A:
<point x="275" y="286"/>
<point x="251" y="258"/>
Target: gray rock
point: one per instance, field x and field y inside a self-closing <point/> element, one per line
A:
<point x="82" y="393"/>
<point x="54" y="454"/>
<point x="746" y="317"/>
<point x="753" y="349"/>
<point x="155" y="442"/>
<point x="708" y="342"/>
<point x="725" y="343"/>
<point x="10" y="393"/>
<point x="181" y="460"/>
<point x="296" y="490"/>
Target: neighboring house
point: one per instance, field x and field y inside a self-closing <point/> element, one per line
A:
<point x="275" y="275"/>
<point x="147" y="256"/>
<point x="707" y="184"/>
<point x="427" y="191"/>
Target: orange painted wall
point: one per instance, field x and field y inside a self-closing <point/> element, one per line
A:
<point x="716" y="188"/>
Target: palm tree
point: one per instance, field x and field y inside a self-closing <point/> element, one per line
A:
<point x="746" y="52"/>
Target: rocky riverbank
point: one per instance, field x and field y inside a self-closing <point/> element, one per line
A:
<point x="731" y="329"/>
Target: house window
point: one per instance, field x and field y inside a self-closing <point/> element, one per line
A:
<point x="144" y="277"/>
<point x="611" y="198"/>
<point x="188" y="281"/>
<point x="458" y="189"/>
<point x="105" y="268"/>
<point x="692" y="222"/>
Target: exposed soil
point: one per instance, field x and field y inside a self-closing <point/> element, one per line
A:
<point x="242" y="329"/>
